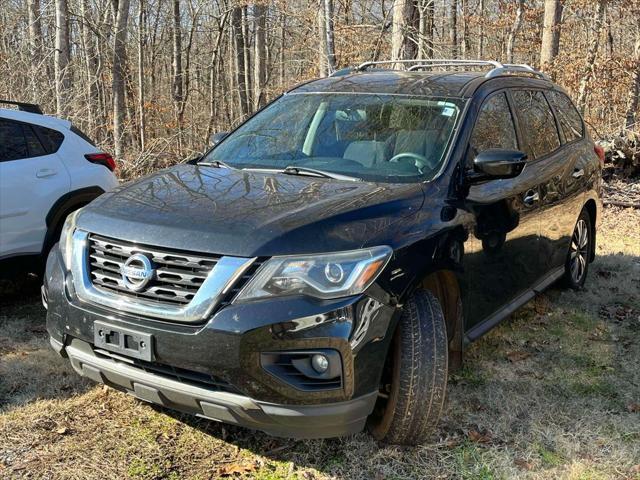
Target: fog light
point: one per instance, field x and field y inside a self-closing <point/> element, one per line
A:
<point x="320" y="363"/>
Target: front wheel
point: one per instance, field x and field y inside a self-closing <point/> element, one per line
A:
<point x="577" y="263"/>
<point x="414" y="380"/>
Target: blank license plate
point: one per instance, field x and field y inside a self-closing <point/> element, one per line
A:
<point x="123" y="341"/>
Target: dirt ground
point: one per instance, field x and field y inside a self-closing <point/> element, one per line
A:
<point x="552" y="393"/>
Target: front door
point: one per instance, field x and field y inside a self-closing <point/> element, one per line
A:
<point x="501" y="259"/>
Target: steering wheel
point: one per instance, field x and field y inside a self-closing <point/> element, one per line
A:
<point x="420" y="160"/>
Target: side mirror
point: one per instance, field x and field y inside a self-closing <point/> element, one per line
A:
<point x="216" y="138"/>
<point x="497" y="163"/>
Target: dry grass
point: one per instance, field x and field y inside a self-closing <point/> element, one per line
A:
<point x="553" y="393"/>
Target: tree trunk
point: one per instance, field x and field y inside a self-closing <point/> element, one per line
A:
<point x="592" y="51"/>
<point x="118" y="86"/>
<point x="323" y="69"/>
<point x="141" y="109"/>
<point x="247" y="58"/>
<point x="481" y="31"/>
<point x="425" y="34"/>
<point x="634" y="89"/>
<point x="61" y="58"/>
<point x="453" y="28"/>
<point x="238" y="41"/>
<point x="515" y="28"/>
<point x="405" y="29"/>
<point x="35" y="45"/>
<point x="176" y="70"/>
<point x="465" y="33"/>
<point x="329" y="34"/>
<point x="550" y="32"/>
<point x="260" y="56"/>
<point x="91" y="66"/>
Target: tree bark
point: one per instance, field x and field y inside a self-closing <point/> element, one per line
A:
<point x="238" y="41"/>
<point x="425" y="34"/>
<point x="634" y="89"/>
<point x="141" y="92"/>
<point x="404" y="30"/>
<point x="515" y="28"/>
<point x="329" y="34"/>
<point x="453" y="28"/>
<point x="91" y="66"/>
<point x="260" y="56"/>
<point x="592" y="52"/>
<point x="118" y="84"/>
<point x="481" y="31"/>
<point x="61" y="58"/>
<point x="550" y="32"/>
<point x="176" y="70"/>
<point x="35" y="45"/>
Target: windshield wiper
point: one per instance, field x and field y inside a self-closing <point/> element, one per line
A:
<point x="293" y="170"/>
<point x="216" y="163"/>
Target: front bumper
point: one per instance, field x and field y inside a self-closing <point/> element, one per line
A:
<point x="295" y="421"/>
<point x="228" y="346"/>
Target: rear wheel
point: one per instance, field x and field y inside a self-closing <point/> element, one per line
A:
<point x="414" y="381"/>
<point x="577" y="263"/>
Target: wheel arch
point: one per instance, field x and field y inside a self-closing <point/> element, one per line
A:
<point x="592" y="209"/>
<point x="66" y="204"/>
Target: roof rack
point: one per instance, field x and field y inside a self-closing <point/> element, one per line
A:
<point x="24" y="107"/>
<point x="497" y="68"/>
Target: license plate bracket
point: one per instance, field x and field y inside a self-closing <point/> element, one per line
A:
<point x="123" y="341"/>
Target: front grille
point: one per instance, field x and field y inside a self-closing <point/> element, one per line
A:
<point x="178" y="276"/>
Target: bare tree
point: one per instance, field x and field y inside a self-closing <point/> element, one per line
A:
<point x="453" y="28"/>
<point x="550" y="32"/>
<point x="176" y="70"/>
<point x="239" y="45"/>
<point x="592" y="51"/>
<point x="141" y="81"/>
<point x="515" y="28"/>
<point x="481" y="30"/>
<point x="425" y="35"/>
<point x="634" y="89"/>
<point x="61" y="60"/>
<point x="118" y="83"/>
<point x="329" y="34"/>
<point x="260" y="55"/>
<point x="35" y="44"/>
<point x="404" y="30"/>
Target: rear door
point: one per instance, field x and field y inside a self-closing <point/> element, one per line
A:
<point x="32" y="179"/>
<point x="501" y="255"/>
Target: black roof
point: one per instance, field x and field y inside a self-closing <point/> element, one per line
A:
<point x="399" y="82"/>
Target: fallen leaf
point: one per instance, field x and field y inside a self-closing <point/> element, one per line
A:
<point x="237" y="469"/>
<point x="633" y="407"/>
<point x="523" y="464"/>
<point x="517" y="356"/>
<point x="483" y="436"/>
<point x="62" y="430"/>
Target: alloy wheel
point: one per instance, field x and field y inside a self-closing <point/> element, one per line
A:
<point x="579" y="251"/>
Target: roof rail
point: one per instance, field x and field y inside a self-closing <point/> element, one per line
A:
<point x="496" y="70"/>
<point x="24" y="107"/>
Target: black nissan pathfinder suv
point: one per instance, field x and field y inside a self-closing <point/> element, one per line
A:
<point x="323" y="266"/>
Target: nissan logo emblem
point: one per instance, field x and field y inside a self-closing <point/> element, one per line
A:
<point x="137" y="272"/>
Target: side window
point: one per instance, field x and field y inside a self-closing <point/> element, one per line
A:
<point x="494" y="127"/>
<point x="51" y="139"/>
<point x="33" y="144"/>
<point x="537" y="122"/>
<point x="12" y="142"/>
<point x="568" y="117"/>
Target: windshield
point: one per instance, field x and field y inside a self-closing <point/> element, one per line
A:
<point x="383" y="138"/>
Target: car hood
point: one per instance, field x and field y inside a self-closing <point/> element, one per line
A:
<point x="234" y="212"/>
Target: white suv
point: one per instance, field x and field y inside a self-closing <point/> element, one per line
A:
<point x="48" y="168"/>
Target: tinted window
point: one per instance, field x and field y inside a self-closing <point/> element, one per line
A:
<point x="568" y="117"/>
<point x="51" y="139"/>
<point x="537" y="122"/>
<point x="494" y="127"/>
<point x="33" y="144"/>
<point x="12" y="142"/>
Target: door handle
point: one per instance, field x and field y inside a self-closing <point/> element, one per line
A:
<point x="531" y="197"/>
<point x="46" y="172"/>
<point x="578" y="172"/>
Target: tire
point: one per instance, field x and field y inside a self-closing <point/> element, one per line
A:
<point x="414" y="381"/>
<point x="578" y="257"/>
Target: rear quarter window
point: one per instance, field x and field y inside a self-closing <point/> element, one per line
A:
<point x="537" y="122"/>
<point x="50" y="139"/>
<point x="82" y="135"/>
<point x="568" y="117"/>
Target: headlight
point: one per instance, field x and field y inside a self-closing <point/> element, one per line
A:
<point x="331" y="275"/>
<point x="66" y="238"/>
